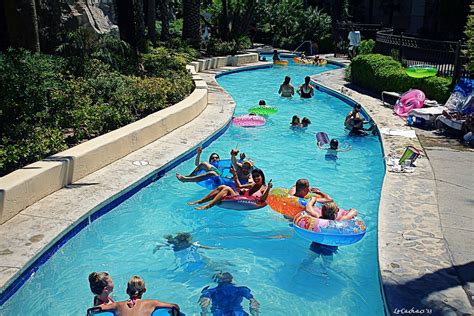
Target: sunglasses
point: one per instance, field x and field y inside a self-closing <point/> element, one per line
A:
<point x="215" y="157"/>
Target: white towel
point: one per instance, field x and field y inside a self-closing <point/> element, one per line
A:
<point x="398" y="132"/>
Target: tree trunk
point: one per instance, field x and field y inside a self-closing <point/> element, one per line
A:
<point x="139" y="25"/>
<point x="126" y="24"/>
<point x="192" y="22"/>
<point x="151" y="20"/>
<point x="242" y="26"/>
<point x="225" y="21"/>
<point x="165" y="20"/>
<point x="22" y="24"/>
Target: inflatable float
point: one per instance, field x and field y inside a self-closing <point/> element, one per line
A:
<point x="225" y="178"/>
<point x="157" y="312"/>
<point x="248" y="120"/>
<point x="281" y="62"/>
<point x="241" y="203"/>
<point x="310" y="61"/>
<point x="263" y="110"/>
<point x="280" y="201"/>
<point x="412" y="99"/>
<point x="421" y="71"/>
<point x="328" y="232"/>
<point x="322" y="138"/>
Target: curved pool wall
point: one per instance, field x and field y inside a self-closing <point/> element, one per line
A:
<point x="348" y="278"/>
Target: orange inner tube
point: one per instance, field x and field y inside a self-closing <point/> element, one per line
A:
<point x="281" y="62"/>
<point x="281" y="202"/>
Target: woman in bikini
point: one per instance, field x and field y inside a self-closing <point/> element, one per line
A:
<point x="306" y="90"/>
<point x="210" y="167"/>
<point x="101" y="285"/>
<point x="135" y="305"/>
<point x="286" y="88"/>
<point x="255" y="190"/>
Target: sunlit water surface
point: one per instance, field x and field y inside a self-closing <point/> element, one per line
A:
<point x="283" y="274"/>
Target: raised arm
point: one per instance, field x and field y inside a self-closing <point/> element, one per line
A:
<point x="352" y="213"/>
<point x="325" y="197"/>
<point x="233" y="159"/>
<point x="310" y="207"/>
<point x="345" y="149"/>
<point x="197" y="161"/>
<point x="267" y="191"/>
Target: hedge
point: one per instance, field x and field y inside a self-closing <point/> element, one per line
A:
<point x="378" y="73"/>
<point x="45" y="108"/>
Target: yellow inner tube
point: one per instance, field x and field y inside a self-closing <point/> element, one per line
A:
<point x="281" y="62"/>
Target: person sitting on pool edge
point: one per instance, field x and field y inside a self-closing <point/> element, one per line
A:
<point x="135" y="305"/>
<point x="256" y="190"/>
<point x="286" y="88"/>
<point x="355" y="123"/>
<point x="101" y="285"/>
<point x="306" y="90"/>
<point x="226" y="298"/>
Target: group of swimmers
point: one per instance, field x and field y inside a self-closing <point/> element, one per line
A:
<point x="305" y="90"/>
<point x="297" y="122"/>
<point x="226" y="297"/>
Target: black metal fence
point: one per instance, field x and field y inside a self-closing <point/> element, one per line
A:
<point x="447" y="56"/>
<point x="368" y="31"/>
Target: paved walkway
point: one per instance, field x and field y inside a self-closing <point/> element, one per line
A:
<point x="423" y="259"/>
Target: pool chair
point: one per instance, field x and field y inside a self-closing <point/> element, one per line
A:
<point x="455" y="120"/>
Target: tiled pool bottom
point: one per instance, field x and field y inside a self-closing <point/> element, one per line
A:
<point x="284" y="275"/>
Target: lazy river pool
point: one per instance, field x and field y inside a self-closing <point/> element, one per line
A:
<point x="258" y="248"/>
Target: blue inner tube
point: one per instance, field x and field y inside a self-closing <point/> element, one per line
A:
<point x="225" y="178"/>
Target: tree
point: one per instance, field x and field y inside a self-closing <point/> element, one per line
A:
<point x="151" y="20"/>
<point x="339" y="13"/>
<point x="469" y="32"/>
<point x="165" y="20"/>
<point x="131" y="22"/>
<point x="22" y="24"/>
<point x="192" y="22"/>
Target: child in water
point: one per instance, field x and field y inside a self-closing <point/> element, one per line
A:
<point x="333" y="149"/>
<point x="101" y="285"/>
<point x="186" y="250"/>
<point x="295" y="122"/>
<point x="305" y="122"/>
<point x="276" y="56"/>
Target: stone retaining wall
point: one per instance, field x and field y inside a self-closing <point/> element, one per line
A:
<point x="28" y="185"/>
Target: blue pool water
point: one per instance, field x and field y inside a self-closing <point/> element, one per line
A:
<point x="285" y="276"/>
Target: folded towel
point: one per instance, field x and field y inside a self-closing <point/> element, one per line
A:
<point x="398" y="132"/>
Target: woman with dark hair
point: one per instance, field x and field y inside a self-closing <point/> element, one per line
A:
<point x="286" y="88"/>
<point x="210" y="167"/>
<point x="254" y="190"/>
<point x="306" y="90"/>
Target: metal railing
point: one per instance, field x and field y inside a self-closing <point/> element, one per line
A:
<point x="341" y="42"/>
<point x="447" y="56"/>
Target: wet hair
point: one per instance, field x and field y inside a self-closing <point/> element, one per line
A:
<point x="275" y="51"/>
<point x="262" y="102"/>
<point x="216" y="154"/>
<point x="222" y="277"/>
<point x="295" y="120"/>
<point x="260" y="173"/>
<point x="98" y="281"/>
<point x="334" y="143"/>
<point x="329" y="211"/>
<point x="305" y="121"/>
<point x="287" y="80"/>
<point x="136" y="287"/>
<point x="358" y="106"/>
<point x="302" y="184"/>
<point x="179" y="240"/>
<point x="307" y="79"/>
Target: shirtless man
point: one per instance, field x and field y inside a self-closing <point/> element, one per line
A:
<point x="355" y="123"/>
<point x="286" y="88"/>
<point x="302" y="188"/>
<point x="135" y="306"/>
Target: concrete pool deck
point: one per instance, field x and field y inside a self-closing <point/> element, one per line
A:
<point x="415" y="263"/>
<point x="417" y="237"/>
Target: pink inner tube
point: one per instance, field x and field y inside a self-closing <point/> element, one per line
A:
<point x="413" y="99"/>
<point x="249" y="120"/>
<point x="241" y="203"/>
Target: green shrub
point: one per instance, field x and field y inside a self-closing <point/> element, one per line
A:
<point x="163" y="62"/>
<point x="366" y="47"/>
<point x="217" y="47"/>
<point x="378" y="72"/>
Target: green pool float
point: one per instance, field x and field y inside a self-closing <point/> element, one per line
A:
<point x="263" y="110"/>
<point x="421" y="71"/>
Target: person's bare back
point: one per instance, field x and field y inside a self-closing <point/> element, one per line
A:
<point x="137" y="307"/>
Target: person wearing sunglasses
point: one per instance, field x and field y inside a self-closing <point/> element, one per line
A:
<point x="211" y="168"/>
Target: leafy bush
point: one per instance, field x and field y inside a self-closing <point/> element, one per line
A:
<point x="162" y="62"/>
<point x="366" y="47"/>
<point x="469" y="32"/>
<point x="378" y="72"/>
<point x="217" y="47"/>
